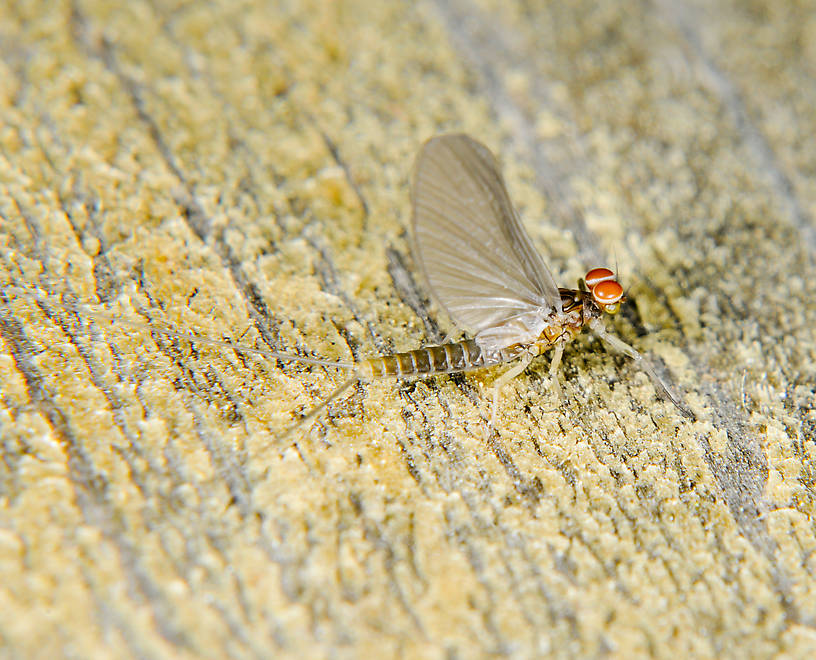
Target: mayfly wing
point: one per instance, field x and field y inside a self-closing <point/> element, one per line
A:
<point x="479" y="261"/>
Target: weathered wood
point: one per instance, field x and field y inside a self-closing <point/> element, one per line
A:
<point x="241" y="171"/>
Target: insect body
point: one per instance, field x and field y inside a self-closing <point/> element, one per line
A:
<point x="483" y="269"/>
<point x="578" y="308"/>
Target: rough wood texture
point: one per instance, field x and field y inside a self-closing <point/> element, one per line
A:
<point x="240" y="170"/>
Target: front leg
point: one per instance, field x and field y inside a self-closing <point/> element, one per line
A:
<point x="663" y="389"/>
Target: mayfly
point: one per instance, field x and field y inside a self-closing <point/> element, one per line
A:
<point x="483" y="270"/>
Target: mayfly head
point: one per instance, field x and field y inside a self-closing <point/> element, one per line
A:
<point x="607" y="293"/>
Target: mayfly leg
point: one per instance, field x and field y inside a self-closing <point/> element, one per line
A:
<point x="617" y="344"/>
<point x="558" y="353"/>
<point x="524" y="362"/>
<point x="505" y="378"/>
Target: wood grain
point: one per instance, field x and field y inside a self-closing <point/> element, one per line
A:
<point x="240" y="171"/>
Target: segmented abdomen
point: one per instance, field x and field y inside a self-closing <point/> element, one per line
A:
<point x="445" y="359"/>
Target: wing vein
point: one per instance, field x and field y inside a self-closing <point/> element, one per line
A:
<point x="479" y="262"/>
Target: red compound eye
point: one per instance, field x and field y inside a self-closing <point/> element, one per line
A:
<point x="598" y="275"/>
<point x="607" y="292"/>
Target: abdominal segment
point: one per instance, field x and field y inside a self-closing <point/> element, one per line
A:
<point x="445" y="359"/>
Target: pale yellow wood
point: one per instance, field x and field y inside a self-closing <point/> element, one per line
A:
<point x="241" y="170"/>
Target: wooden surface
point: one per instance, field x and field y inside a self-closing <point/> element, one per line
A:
<point x="240" y="171"/>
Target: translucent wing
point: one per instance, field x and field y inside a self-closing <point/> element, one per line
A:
<point x="479" y="262"/>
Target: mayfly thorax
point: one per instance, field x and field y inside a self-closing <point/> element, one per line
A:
<point x="483" y="270"/>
